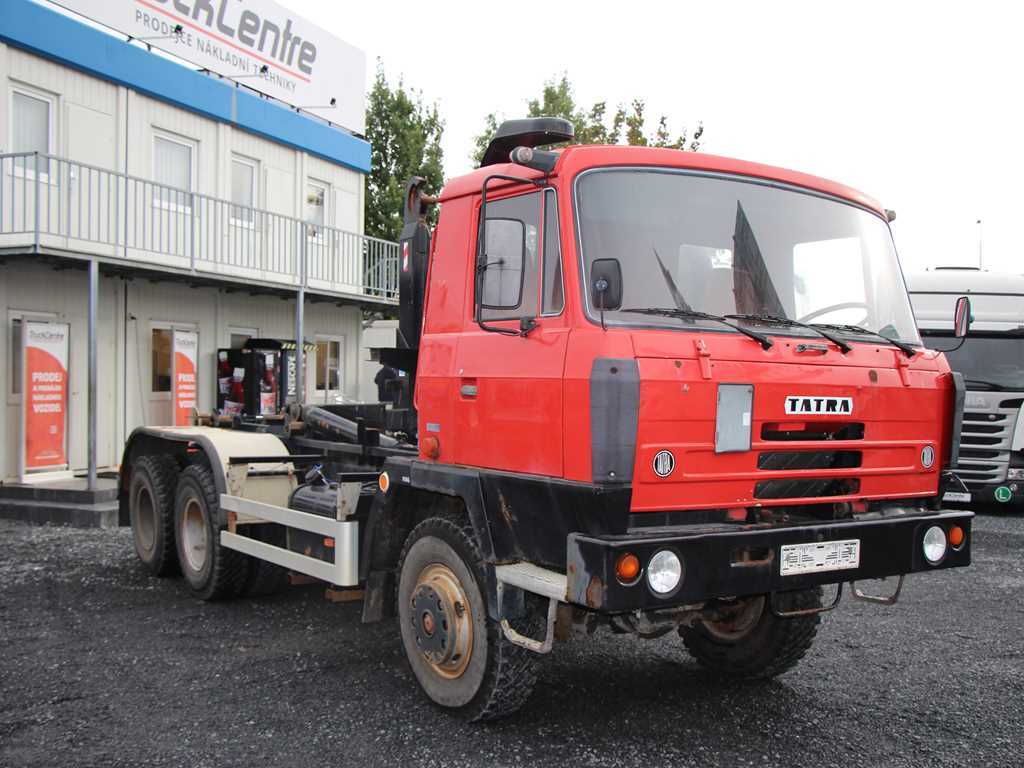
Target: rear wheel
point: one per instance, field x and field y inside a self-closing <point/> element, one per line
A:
<point x="744" y="639"/>
<point x="151" y="509"/>
<point x="262" y="577"/>
<point x="459" y="655"/>
<point x="211" y="571"/>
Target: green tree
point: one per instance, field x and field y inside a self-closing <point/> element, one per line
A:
<point x="405" y="135"/>
<point x="627" y="124"/>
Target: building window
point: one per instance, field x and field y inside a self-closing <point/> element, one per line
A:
<point x="241" y="335"/>
<point x="316" y="205"/>
<point x="243" y="190"/>
<point x="161" y="342"/>
<point x="328" y="366"/>
<point x="15" y="367"/>
<point x="14" y="322"/>
<point x="173" y="172"/>
<point x="31" y="128"/>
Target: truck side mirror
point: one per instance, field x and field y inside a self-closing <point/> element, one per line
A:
<point x="606" y="284"/>
<point x="962" y="317"/>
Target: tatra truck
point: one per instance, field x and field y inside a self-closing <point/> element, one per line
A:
<point x="991" y="361"/>
<point x="648" y="391"/>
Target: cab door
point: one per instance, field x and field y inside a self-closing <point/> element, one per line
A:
<point x="510" y="364"/>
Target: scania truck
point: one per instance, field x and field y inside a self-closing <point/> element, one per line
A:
<point x="649" y="391"/>
<point x="991" y="361"/>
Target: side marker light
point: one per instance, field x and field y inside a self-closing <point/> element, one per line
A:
<point x="627" y="568"/>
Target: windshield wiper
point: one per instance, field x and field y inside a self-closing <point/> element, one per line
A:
<point x="906" y="349"/>
<point x="692" y="314"/>
<point x="777" y="320"/>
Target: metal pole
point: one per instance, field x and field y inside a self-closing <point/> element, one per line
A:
<point x="94" y="283"/>
<point x="300" y="378"/>
<point x="192" y="234"/>
<point x="36" y="203"/>
<point x="980" y="263"/>
<point x="300" y="307"/>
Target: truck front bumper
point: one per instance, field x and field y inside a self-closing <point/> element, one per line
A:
<point x="724" y="561"/>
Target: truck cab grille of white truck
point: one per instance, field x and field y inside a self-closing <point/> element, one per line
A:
<point x="989" y="421"/>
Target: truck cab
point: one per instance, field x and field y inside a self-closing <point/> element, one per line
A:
<point x="991" y="361"/>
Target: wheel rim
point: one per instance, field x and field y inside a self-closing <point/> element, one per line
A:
<point x="732" y="621"/>
<point x="193" y="535"/>
<point x="145" y="518"/>
<point x="442" y="621"/>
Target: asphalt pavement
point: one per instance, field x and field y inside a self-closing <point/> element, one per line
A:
<point x="102" y="665"/>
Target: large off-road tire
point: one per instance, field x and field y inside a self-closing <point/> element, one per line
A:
<point x="151" y="510"/>
<point x="211" y="571"/>
<point x="459" y="655"/>
<point x="750" y="642"/>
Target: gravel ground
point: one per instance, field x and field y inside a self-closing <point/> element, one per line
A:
<point x="101" y="665"/>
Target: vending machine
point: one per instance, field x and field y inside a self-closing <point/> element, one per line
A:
<point x="249" y="379"/>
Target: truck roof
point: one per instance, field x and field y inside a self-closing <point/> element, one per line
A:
<point x="577" y="158"/>
<point x="964" y="280"/>
<point x="997" y="298"/>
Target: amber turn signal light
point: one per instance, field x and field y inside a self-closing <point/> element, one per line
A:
<point x="627" y="568"/>
<point x="956" y="536"/>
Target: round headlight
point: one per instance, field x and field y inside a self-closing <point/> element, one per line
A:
<point x="934" y="545"/>
<point x="927" y="457"/>
<point x="664" y="572"/>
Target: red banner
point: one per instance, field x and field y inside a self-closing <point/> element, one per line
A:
<point x="45" y="394"/>
<point x="185" y="346"/>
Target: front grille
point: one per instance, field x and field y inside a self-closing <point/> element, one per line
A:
<point x="985" y="436"/>
<point x="806" y="489"/>
<point x="986" y="417"/>
<point x="785" y="460"/>
<point x="812" y="430"/>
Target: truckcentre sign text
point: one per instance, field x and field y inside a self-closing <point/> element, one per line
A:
<point x="273" y="50"/>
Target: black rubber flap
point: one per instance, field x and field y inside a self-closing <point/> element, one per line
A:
<point x="614" y="413"/>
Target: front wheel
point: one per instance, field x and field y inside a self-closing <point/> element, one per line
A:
<point x="744" y="639"/>
<point x="460" y="656"/>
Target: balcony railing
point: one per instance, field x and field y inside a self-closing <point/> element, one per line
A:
<point x="49" y="202"/>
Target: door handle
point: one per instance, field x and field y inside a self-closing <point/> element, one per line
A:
<point x="468" y="388"/>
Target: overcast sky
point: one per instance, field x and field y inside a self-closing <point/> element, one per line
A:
<point x="918" y="105"/>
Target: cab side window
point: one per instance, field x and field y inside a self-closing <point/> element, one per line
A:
<point x="509" y="265"/>
<point x="553" y="298"/>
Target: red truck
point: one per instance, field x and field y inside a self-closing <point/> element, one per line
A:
<point x="653" y="390"/>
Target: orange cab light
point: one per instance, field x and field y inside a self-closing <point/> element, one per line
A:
<point x="627" y="568"/>
<point x="384" y="482"/>
<point x="956" y="536"/>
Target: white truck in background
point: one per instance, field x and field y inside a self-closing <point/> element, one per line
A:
<point x="991" y="360"/>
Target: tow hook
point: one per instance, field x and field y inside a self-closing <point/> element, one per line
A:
<point x="804" y="611"/>
<point x="878" y="599"/>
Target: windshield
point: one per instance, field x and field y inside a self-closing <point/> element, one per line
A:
<point x="731" y="246"/>
<point x="986" y="362"/>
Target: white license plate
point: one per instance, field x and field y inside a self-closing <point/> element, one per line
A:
<point x="956" y="496"/>
<point x="818" y="557"/>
